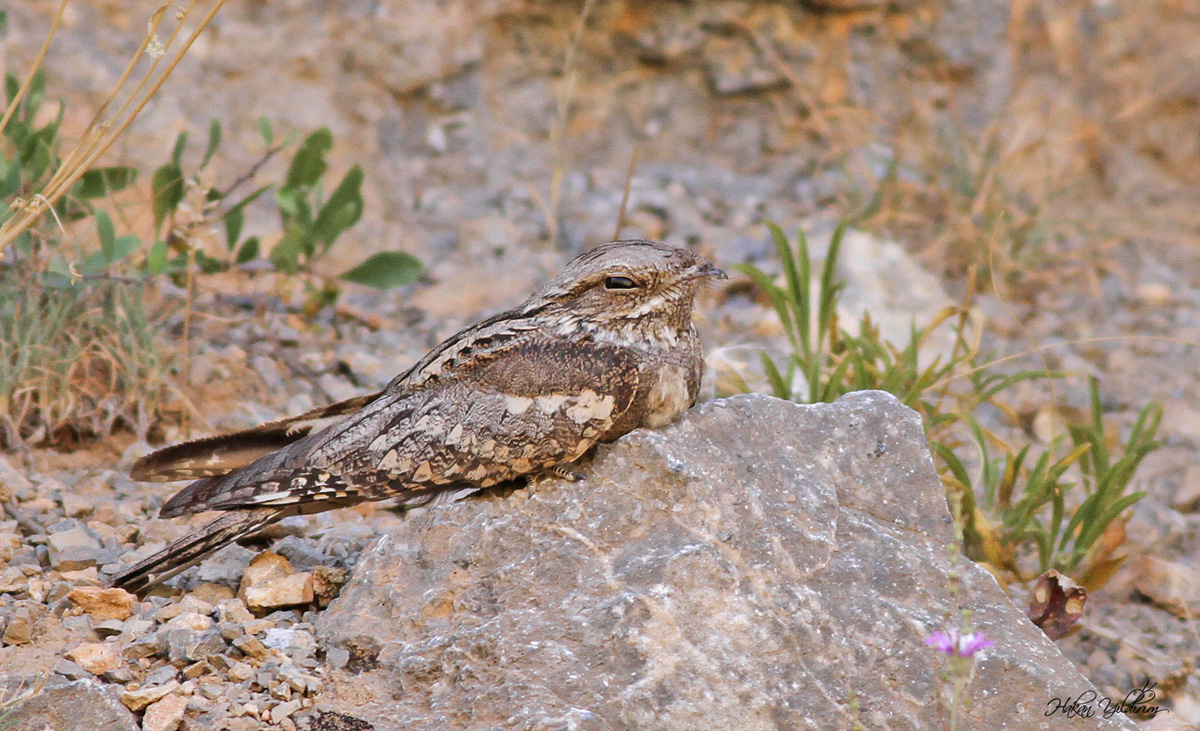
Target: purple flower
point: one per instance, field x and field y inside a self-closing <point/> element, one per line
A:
<point x="958" y="645"/>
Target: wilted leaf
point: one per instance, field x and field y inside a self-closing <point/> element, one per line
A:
<point x="1056" y="604"/>
<point x="385" y="270"/>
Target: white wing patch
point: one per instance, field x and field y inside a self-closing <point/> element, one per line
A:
<point x="517" y="405"/>
<point x="590" y="405"/>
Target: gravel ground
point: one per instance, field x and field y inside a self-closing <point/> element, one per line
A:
<point x="740" y="112"/>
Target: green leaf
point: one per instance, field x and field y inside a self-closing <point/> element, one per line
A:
<point x="264" y="129"/>
<point x="56" y="280"/>
<point x="248" y="250"/>
<point x="166" y="188"/>
<point x="101" y="260"/>
<point x="235" y="217"/>
<point x="214" y="139"/>
<point x="294" y="209"/>
<point x="208" y="264"/>
<point x="10" y="178"/>
<point x="779" y="385"/>
<point x="385" y="270"/>
<point x="156" y="260"/>
<point x="35" y="94"/>
<point x="104" y="227"/>
<point x="177" y="151"/>
<point x="11" y="87"/>
<point x="99" y="182"/>
<point x="285" y="255"/>
<point x="342" y="210"/>
<point x="308" y="164"/>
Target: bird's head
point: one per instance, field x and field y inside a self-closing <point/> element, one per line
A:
<point x="617" y="285"/>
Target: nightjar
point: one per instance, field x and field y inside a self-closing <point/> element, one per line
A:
<point x="605" y="347"/>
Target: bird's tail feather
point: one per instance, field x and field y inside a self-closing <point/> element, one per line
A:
<point x="224" y="453"/>
<point x="185" y="552"/>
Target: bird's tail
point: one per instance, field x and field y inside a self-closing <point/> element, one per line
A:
<point x="185" y="552"/>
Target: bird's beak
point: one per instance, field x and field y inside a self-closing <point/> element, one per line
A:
<point x="706" y="269"/>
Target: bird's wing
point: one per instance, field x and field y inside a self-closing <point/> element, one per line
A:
<point x="224" y="453"/>
<point x="525" y="408"/>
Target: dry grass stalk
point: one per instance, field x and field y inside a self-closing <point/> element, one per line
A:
<point x="101" y="132"/>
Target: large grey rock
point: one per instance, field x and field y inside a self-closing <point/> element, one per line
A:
<point x="757" y="565"/>
<point x="68" y="705"/>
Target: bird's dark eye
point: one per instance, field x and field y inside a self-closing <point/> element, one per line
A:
<point x="618" y="282"/>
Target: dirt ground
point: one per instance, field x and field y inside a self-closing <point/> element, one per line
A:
<point x="1047" y="153"/>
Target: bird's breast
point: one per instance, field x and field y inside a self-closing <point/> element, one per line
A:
<point x="673" y="393"/>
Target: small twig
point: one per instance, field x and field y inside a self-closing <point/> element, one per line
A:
<point x="625" y="195"/>
<point x="108" y="278"/>
<point x="186" y="373"/>
<point x="249" y="174"/>
<point x="559" y="127"/>
<point x="785" y="69"/>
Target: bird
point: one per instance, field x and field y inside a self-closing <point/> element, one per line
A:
<point x="605" y="347"/>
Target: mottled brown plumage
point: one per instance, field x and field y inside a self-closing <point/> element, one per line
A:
<point x="605" y="347"/>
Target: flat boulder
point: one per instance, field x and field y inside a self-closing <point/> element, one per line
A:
<point x="756" y="565"/>
<point x="63" y="705"/>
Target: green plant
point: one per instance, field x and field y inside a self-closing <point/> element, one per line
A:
<point x="1076" y="546"/>
<point x="22" y="214"/>
<point x="1018" y="499"/>
<point x="829" y="361"/>
<point x="311" y="220"/>
<point x="78" y="350"/>
<point x="76" y="356"/>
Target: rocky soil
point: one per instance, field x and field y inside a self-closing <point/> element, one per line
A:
<point x="1056" y="134"/>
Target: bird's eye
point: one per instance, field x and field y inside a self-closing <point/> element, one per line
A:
<point x="618" y="282"/>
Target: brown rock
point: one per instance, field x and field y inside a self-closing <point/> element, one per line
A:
<point x="20" y="628"/>
<point x="286" y="591"/>
<point x="97" y="657"/>
<point x="136" y="700"/>
<point x="1172" y="585"/>
<point x="166" y="714"/>
<point x="1187" y="497"/>
<point x="269" y="583"/>
<point x="752" y="566"/>
<point x="102" y="603"/>
<point x="328" y="582"/>
<point x="263" y="568"/>
<point x="212" y="593"/>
